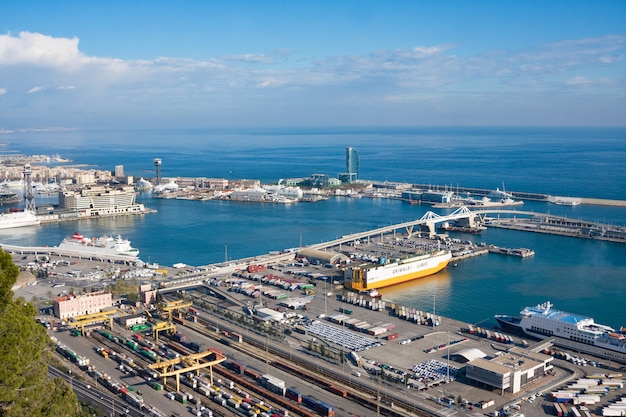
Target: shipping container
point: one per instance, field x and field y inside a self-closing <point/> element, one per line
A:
<point x="250" y="373"/>
<point x="155" y="385"/>
<point x="293" y="395"/>
<point x="180" y="397"/>
<point x="324" y="409"/>
<point x="557" y="410"/>
<point x="338" y="390"/>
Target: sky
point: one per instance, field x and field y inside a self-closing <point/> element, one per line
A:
<point x="251" y="64"/>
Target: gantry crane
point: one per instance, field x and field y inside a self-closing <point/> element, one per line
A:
<point x="162" y="326"/>
<point x="172" y="306"/>
<point x="86" y="319"/>
<point x="193" y="362"/>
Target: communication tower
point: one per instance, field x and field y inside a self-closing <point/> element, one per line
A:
<point x="29" y="195"/>
<point x="157" y="170"/>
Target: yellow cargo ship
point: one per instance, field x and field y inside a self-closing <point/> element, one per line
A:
<point x="370" y="276"/>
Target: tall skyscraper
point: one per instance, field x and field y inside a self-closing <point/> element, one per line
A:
<point x="352" y="162"/>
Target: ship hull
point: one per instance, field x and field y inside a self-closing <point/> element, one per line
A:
<point x="510" y="325"/>
<point x="386" y="276"/>
<point x="20" y="219"/>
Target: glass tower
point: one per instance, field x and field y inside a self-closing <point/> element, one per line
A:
<point x="352" y="161"/>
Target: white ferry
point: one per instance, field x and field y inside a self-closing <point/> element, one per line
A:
<point x="543" y="322"/>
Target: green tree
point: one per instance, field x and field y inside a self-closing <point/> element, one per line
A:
<point x="25" y="351"/>
<point x="132" y="297"/>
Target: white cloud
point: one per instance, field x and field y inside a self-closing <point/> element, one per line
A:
<point x="3" y="91"/>
<point x="257" y="79"/>
<point x="35" y="90"/>
<point x="38" y="49"/>
<point x="251" y="58"/>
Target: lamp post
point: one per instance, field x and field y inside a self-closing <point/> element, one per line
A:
<point x="325" y="299"/>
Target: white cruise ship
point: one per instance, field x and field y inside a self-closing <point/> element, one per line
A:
<point x="543" y="322"/>
<point x="104" y="245"/>
<point x="18" y="219"/>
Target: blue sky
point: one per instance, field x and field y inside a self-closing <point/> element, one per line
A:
<point x="167" y="64"/>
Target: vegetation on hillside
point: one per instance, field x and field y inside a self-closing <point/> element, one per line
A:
<point x="25" y="352"/>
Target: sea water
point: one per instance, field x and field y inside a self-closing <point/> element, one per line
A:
<point x="581" y="276"/>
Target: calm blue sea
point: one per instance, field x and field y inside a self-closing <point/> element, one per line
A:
<point x="580" y="276"/>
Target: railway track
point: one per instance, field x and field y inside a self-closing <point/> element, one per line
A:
<point x="312" y="373"/>
<point x="142" y="363"/>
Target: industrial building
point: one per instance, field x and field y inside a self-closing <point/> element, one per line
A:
<point x="132" y="320"/>
<point x="267" y="314"/>
<point x="321" y="256"/>
<point x="509" y="372"/>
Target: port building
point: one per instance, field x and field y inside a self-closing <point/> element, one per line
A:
<point x="78" y="305"/>
<point x="322" y="256"/>
<point x="510" y="372"/>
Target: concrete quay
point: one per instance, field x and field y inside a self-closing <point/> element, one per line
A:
<point x="603" y="202"/>
<point x="396" y="356"/>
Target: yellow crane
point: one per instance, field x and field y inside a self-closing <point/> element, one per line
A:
<point x="162" y="326"/>
<point x="167" y="308"/>
<point x="193" y="362"/>
<point x="86" y="319"/>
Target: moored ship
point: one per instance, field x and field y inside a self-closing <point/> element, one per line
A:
<point x="365" y="277"/>
<point x="18" y="219"/>
<point x="105" y="245"/>
<point x="567" y="329"/>
<point x="8" y="198"/>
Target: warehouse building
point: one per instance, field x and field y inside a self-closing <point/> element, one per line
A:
<point x="321" y="256"/>
<point x="509" y="372"/>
